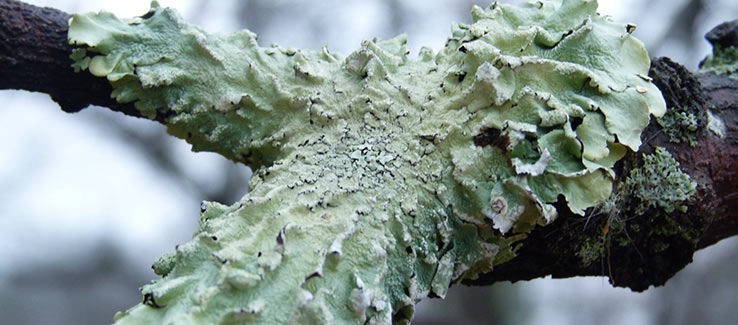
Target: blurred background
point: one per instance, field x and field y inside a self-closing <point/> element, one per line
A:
<point x="89" y="200"/>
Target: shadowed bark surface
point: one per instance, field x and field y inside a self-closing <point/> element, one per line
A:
<point x="635" y="251"/>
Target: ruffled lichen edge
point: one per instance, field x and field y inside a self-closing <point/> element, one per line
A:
<point x="379" y="180"/>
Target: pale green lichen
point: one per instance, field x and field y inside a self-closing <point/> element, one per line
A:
<point x="379" y="180"/>
<point x="716" y="125"/>
<point x="681" y="125"/>
<point x="80" y="58"/>
<point x="659" y="183"/>
<point x="722" y="61"/>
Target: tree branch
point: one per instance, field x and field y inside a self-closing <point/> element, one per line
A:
<point x="635" y="251"/>
<point x="34" y="56"/>
<point x="636" y="257"/>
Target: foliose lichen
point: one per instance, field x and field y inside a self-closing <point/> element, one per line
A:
<point x="660" y="183"/>
<point x="681" y="125"/>
<point x="379" y="180"/>
<point x="723" y="60"/>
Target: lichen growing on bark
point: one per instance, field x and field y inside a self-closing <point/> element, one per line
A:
<point x="682" y="125"/>
<point x="723" y="60"/>
<point x="659" y="183"/>
<point x="379" y="180"/>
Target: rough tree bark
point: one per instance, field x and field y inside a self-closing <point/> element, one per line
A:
<point x="712" y="212"/>
<point x="636" y="251"/>
<point x="35" y="56"/>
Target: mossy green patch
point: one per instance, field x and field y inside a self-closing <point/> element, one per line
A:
<point x="659" y="183"/>
<point x="681" y="125"/>
<point x="723" y="60"/>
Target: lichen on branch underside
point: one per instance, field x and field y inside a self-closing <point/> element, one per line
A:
<point x="379" y="179"/>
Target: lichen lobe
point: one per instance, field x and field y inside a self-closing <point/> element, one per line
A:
<point x="379" y="180"/>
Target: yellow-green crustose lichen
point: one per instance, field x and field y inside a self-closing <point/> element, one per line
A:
<point x="379" y="179"/>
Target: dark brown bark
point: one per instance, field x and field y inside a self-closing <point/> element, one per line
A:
<point x="650" y="248"/>
<point x="636" y="250"/>
<point x="34" y="56"/>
